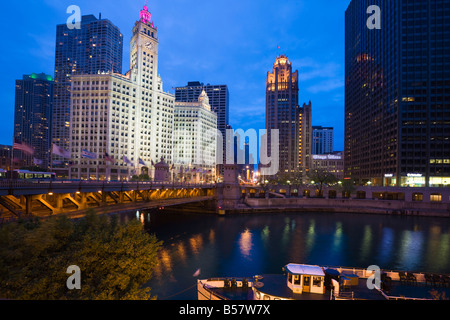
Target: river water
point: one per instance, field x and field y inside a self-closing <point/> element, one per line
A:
<point x="200" y="246"/>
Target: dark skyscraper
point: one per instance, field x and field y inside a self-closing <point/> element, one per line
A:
<point x="282" y="113"/>
<point x="398" y="93"/>
<point x="96" y="47"/>
<point x="33" y="112"/>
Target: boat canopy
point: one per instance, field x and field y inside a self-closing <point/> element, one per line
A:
<point x="301" y="269"/>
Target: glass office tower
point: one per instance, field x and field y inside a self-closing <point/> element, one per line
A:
<point x="33" y="115"/>
<point x="398" y="93"/>
<point x="96" y="47"/>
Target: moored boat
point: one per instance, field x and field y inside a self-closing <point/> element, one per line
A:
<point x="310" y="282"/>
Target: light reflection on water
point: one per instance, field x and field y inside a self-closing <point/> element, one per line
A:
<point x="246" y="245"/>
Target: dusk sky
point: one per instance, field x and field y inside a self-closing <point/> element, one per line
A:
<point x="230" y="42"/>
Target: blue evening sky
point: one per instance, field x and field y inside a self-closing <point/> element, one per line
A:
<point x="231" y="42"/>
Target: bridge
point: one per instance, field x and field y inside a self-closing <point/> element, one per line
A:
<point x="44" y="198"/>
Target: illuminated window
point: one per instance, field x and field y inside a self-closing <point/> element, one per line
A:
<point x="437" y="197"/>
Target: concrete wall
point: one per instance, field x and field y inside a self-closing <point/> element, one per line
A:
<point x="397" y="207"/>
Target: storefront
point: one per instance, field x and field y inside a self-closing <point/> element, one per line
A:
<point x="439" y="182"/>
<point x="390" y="180"/>
<point x="416" y="180"/>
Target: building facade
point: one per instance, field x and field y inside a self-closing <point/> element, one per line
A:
<point x="398" y="94"/>
<point x="323" y="140"/>
<point x="332" y="163"/>
<point x="305" y="140"/>
<point x="195" y="140"/>
<point x="5" y="157"/>
<point x="122" y="124"/>
<point x="97" y="47"/>
<point x="32" y="120"/>
<point x="219" y="99"/>
<point x="282" y="114"/>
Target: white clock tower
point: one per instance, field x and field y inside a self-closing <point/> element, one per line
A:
<point x="156" y="107"/>
<point x="144" y="49"/>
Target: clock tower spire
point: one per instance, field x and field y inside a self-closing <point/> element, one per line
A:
<point x="145" y="15"/>
<point x="144" y="50"/>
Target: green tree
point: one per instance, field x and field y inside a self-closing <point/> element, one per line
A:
<point x="116" y="260"/>
<point x="34" y="169"/>
<point x="142" y="177"/>
<point x="348" y="186"/>
<point x="322" y="178"/>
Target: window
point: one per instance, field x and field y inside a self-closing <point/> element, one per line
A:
<point x="317" y="281"/>
<point x="436" y="197"/>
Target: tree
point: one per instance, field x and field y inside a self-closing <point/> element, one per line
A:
<point x="348" y="186"/>
<point x="34" y="169"/>
<point x="142" y="177"/>
<point x="321" y="178"/>
<point x="116" y="260"/>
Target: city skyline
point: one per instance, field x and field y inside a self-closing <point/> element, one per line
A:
<point x="241" y="151"/>
<point x="319" y="57"/>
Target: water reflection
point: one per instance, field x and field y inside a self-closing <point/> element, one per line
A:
<point x="196" y="243"/>
<point x="265" y="235"/>
<point x="286" y="234"/>
<point x="338" y="238"/>
<point x="386" y="246"/>
<point x="310" y="237"/>
<point x="366" y="242"/>
<point x="411" y="249"/>
<point x="438" y="248"/>
<point x="247" y="245"/>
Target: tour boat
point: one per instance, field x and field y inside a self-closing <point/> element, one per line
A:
<point x="310" y="282"/>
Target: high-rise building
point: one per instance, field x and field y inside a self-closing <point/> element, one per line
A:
<point x="219" y="99"/>
<point x="5" y="157"/>
<point x="305" y="141"/>
<point x="281" y="113"/>
<point x="398" y="93"/>
<point x="122" y="124"/>
<point x="32" y="120"/>
<point x="322" y="140"/>
<point x="96" y="47"/>
<point x="195" y="140"/>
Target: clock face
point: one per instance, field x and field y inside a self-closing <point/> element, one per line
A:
<point x="149" y="45"/>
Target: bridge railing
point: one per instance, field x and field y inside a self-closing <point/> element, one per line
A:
<point x="16" y="184"/>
